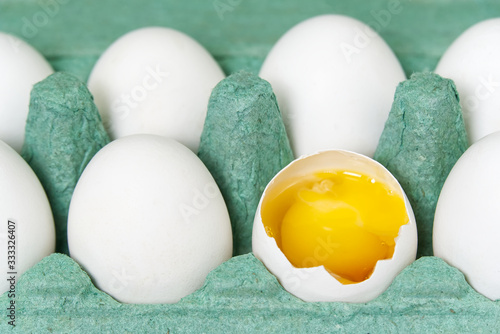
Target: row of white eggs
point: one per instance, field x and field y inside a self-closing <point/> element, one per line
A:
<point x="151" y="71"/>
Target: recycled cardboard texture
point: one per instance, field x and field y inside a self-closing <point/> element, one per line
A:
<point x="422" y="140"/>
<point x="63" y="132"/>
<point x="243" y="144"/>
<point x="241" y="296"/>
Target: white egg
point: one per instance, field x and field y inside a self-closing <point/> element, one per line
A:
<point x="147" y="220"/>
<point x="472" y="63"/>
<point x="21" y="66"/>
<point x="313" y="282"/>
<point x="334" y="79"/>
<point x="155" y="81"/>
<point x="466" y="224"/>
<point x="27" y="232"/>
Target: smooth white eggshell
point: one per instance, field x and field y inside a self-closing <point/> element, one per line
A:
<point x="157" y="81"/>
<point x="334" y="79"/>
<point x="316" y="284"/>
<point x="472" y="63"/>
<point x="21" y="66"/>
<point x="147" y="221"/>
<point x="466" y="228"/>
<point x="23" y="201"/>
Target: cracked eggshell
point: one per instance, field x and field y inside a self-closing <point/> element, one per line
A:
<point x="147" y="220"/>
<point x="316" y="284"/>
<point x="155" y="80"/>
<point x="23" y="201"/>
<point x="334" y="79"/>
<point x="466" y="224"/>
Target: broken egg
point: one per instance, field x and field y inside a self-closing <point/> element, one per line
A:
<point x="334" y="226"/>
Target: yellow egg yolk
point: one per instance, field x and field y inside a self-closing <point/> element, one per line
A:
<point x="342" y="220"/>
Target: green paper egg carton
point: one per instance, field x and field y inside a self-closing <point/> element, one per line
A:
<point x="241" y="296"/>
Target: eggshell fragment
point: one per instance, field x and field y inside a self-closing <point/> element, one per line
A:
<point x="316" y="284"/>
<point x="21" y="67"/>
<point x="147" y="221"/>
<point x="334" y="79"/>
<point x="466" y="228"/>
<point x="25" y="212"/>
<point x="155" y="80"/>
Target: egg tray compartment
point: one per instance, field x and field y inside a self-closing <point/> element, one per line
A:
<point x="240" y="295"/>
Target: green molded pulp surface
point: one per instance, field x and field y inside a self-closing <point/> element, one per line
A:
<point x="423" y="138"/>
<point x="63" y="132"/>
<point x="241" y="295"/>
<point x="238" y="33"/>
<point x="241" y="154"/>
